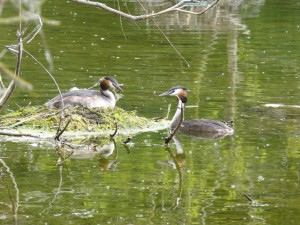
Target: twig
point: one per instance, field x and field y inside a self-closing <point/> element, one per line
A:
<point x="58" y="134"/>
<point x="35" y="31"/>
<point x="32" y="118"/>
<point x="248" y="197"/>
<point x="47" y="71"/>
<point x="18" y="135"/>
<point x="1" y="83"/>
<point x="165" y="36"/>
<point x="201" y="12"/>
<point x="12" y="84"/>
<point x="56" y="84"/>
<point x="121" y="23"/>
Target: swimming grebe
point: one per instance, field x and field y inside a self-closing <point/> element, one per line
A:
<point x="197" y="125"/>
<point x="89" y="98"/>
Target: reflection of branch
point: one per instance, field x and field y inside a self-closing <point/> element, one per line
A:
<point x="57" y="191"/>
<point x="176" y="7"/>
<point x="15" y="206"/>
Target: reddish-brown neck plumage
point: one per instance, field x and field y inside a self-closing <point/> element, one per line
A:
<point x="105" y="84"/>
<point x="182" y="96"/>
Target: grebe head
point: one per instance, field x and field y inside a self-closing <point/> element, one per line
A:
<point x="179" y="91"/>
<point x="109" y="82"/>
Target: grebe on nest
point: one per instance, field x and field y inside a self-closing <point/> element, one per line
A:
<point x="196" y="126"/>
<point x="89" y="98"/>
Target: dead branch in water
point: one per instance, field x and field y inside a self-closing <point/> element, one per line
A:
<point x="18" y="135"/>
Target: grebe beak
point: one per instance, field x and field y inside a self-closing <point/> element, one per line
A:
<point x="167" y="93"/>
<point x="118" y="87"/>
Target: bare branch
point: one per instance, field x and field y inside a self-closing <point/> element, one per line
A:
<point x="176" y="7"/>
<point x="12" y="84"/>
<point x="59" y="133"/>
<point x="18" y="81"/>
<point x="52" y="77"/>
<point x="18" y="134"/>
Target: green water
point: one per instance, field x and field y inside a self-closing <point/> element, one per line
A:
<point x="242" y="55"/>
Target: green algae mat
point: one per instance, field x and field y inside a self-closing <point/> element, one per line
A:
<point x="42" y="122"/>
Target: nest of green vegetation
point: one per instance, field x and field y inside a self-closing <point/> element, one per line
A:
<point x="81" y="121"/>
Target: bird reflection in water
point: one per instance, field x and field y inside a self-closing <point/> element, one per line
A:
<point x="104" y="153"/>
<point x="176" y="162"/>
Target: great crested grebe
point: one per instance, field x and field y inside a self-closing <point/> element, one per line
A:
<point x="89" y="98"/>
<point x="197" y="125"/>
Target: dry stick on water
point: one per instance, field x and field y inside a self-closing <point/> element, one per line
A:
<point x="173" y="132"/>
<point x="18" y="135"/>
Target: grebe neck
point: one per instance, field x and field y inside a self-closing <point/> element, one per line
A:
<point x="178" y="114"/>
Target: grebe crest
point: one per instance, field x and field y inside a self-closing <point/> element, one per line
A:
<point x="179" y="91"/>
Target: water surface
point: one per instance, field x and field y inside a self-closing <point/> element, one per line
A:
<point x="242" y="55"/>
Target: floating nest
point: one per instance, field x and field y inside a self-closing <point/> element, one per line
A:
<point x="42" y="121"/>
